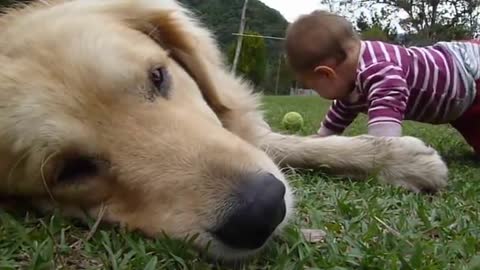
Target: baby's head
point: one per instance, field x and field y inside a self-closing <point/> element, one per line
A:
<point x="322" y="49"/>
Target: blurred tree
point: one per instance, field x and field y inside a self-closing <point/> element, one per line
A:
<point x="375" y="29"/>
<point x="252" y="60"/>
<point x="433" y="20"/>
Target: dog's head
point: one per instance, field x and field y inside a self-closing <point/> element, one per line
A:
<point x="113" y="105"/>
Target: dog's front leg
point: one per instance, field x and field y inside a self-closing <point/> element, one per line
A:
<point x="401" y="161"/>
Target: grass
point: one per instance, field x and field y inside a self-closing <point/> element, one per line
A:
<point x="369" y="226"/>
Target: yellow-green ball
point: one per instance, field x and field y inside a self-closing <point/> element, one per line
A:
<point x="292" y="121"/>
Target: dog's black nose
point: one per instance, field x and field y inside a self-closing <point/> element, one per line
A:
<point x="259" y="207"/>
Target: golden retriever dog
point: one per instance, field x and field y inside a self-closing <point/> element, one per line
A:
<point x="127" y="107"/>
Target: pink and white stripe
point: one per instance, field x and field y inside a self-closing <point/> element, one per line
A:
<point x="396" y="83"/>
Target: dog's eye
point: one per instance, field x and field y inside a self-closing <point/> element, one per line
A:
<point x="161" y="81"/>
<point x="77" y="169"/>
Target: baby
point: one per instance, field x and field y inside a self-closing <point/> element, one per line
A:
<point x="435" y="84"/>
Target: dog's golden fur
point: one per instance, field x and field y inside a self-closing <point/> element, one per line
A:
<point x="75" y="89"/>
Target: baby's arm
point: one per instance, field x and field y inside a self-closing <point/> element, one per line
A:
<point x="387" y="98"/>
<point x="340" y="115"/>
<point x="385" y="130"/>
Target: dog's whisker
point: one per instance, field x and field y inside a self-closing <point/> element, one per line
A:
<point x="99" y="219"/>
<point x="42" y="174"/>
<point x="45" y="2"/>
<point x="15" y="165"/>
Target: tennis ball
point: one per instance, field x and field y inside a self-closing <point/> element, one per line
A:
<point x="292" y="121"/>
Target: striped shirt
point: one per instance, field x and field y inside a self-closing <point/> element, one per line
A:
<point x="433" y="84"/>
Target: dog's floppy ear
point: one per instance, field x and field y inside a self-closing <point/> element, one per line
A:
<point x="176" y="34"/>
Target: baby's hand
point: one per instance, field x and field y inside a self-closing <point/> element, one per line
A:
<point x="318" y="135"/>
<point x="323" y="132"/>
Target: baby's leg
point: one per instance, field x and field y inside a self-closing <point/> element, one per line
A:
<point x="471" y="134"/>
<point x="469" y="124"/>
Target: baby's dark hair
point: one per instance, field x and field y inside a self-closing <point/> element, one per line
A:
<point x="316" y="37"/>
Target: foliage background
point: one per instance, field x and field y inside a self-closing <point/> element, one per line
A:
<point x="428" y="21"/>
<point x="262" y="60"/>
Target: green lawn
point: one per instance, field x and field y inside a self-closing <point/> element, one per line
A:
<point x="369" y="226"/>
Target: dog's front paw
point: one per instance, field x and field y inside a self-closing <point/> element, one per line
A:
<point x="413" y="165"/>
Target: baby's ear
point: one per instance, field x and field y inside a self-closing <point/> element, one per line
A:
<point x="325" y="71"/>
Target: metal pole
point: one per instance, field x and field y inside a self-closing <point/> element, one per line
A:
<point x="259" y="36"/>
<point x="240" y="37"/>
<point x="278" y="74"/>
